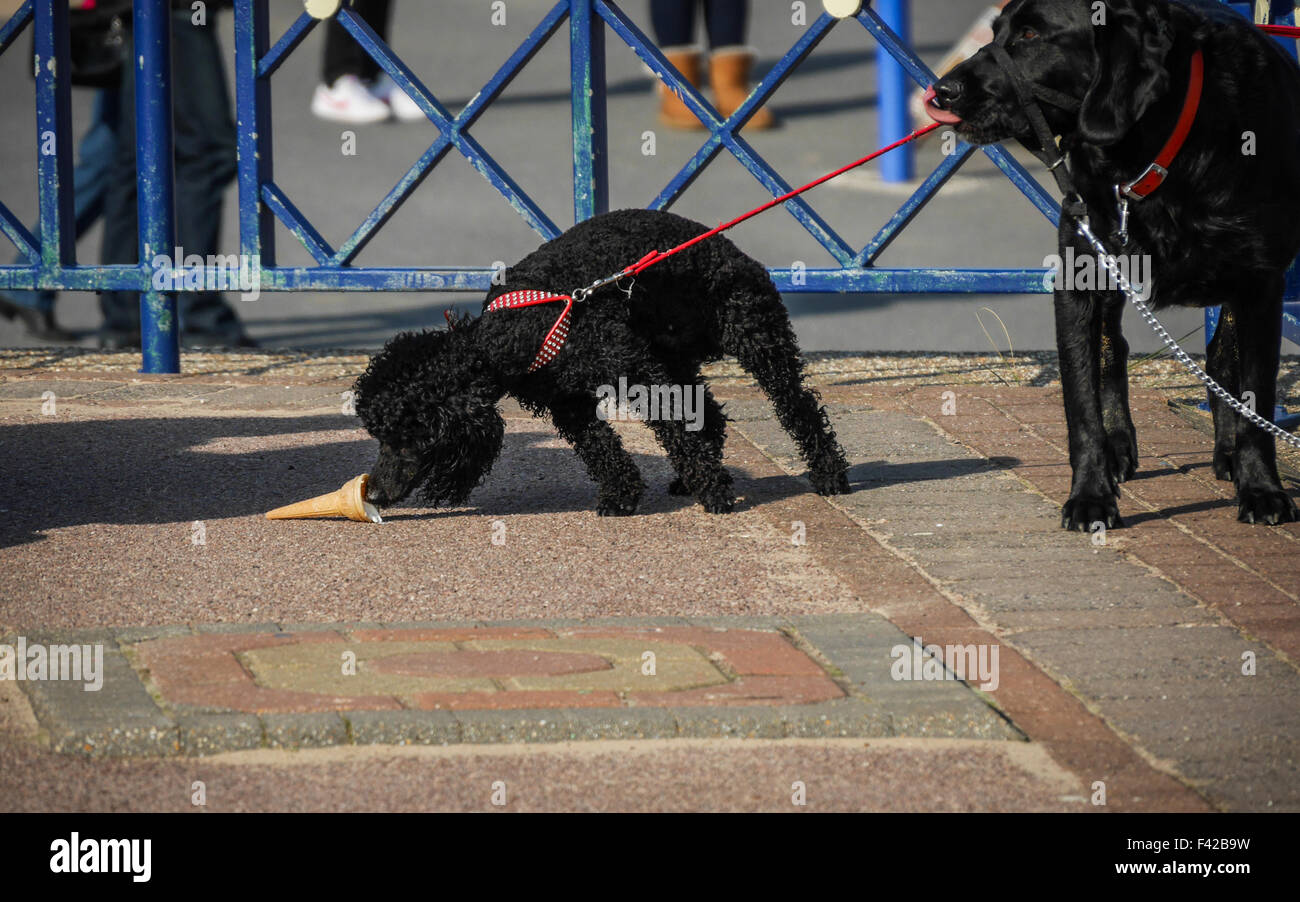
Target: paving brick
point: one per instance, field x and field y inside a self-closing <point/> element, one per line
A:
<point x="512" y="726"/>
<point x="212" y="733"/>
<point x="844" y="717"/>
<point x="250" y="698"/>
<point x="619" y="723"/>
<point x="302" y="731"/>
<point x="729" y="723"/>
<point x="403" y="727"/>
<point x="751" y="690"/>
<point x="449" y="634"/>
<point x="501" y="663"/>
<point x="237" y="628"/>
<point x="134" y="634"/>
<point x="970" y="721"/>
<point x="118" y="719"/>
<point x="506" y="701"/>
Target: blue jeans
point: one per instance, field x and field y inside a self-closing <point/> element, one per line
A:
<point x="89" y="183"/>
<point x="673" y="22"/>
<point x="204" y="133"/>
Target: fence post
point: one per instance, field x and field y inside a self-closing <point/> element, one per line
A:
<point x="57" y="238"/>
<point x="894" y="87"/>
<point x="253" y="125"/>
<point x="590" y="125"/>
<point x="152" y="57"/>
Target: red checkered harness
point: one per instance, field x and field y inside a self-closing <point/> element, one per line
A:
<point x="559" y="333"/>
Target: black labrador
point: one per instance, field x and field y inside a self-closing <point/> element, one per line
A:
<point x="1113" y="79"/>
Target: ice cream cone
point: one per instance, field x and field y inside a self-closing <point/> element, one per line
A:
<point x="349" y="501"/>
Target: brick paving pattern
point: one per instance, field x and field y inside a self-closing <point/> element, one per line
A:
<point x="1159" y="659"/>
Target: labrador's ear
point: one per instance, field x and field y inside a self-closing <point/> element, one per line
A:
<point x="1130" y="48"/>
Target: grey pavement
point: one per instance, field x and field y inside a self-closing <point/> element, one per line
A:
<point x="1156" y="663"/>
<point x="1121" y="662"/>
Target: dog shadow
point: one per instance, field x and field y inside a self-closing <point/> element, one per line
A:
<point x="161" y="470"/>
<point x="879" y="474"/>
<point x="157" y="470"/>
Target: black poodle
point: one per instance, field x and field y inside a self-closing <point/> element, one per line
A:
<point x="430" y="398"/>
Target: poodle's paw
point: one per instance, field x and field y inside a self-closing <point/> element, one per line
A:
<point x="717" y="494"/>
<point x="616" y="507"/>
<point x="1265" y="504"/>
<point x="678" y="487"/>
<point x="1085" y="509"/>
<point x="718" y="502"/>
<point x="834" y="483"/>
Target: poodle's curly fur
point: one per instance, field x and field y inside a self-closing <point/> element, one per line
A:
<point x="430" y="397"/>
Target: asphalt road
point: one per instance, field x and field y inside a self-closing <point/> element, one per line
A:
<point x="829" y="113"/>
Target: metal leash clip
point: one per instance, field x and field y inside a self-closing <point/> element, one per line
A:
<point x="581" y="294"/>
<point x="1121" y="202"/>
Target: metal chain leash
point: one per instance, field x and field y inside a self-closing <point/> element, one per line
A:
<point x="1108" y="261"/>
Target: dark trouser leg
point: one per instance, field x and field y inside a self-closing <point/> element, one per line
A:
<point x="121" y="309"/>
<point x="205" y="165"/>
<point x="673" y="22"/>
<point x="343" y="55"/>
<point x="89" y="180"/>
<point x="726" y="22"/>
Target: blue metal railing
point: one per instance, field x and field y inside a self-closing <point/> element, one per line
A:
<point x="50" y="257"/>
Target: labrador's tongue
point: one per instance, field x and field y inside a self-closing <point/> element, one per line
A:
<point x="941" y="116"/>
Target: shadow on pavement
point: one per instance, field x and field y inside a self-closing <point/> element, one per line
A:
<point x="159" y="470"/>
<point x="878" y="473"/>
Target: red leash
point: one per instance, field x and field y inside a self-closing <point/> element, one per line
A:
<point x="559" y="332"/>
<point x="654" y="257"/>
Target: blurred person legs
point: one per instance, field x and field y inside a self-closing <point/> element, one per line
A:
<point x="205" y="165"/>
<point x="673" y="22"/>
<point x="353" y="89"/>
<point x="731" y="61"/>
<point x="90" y="181"/>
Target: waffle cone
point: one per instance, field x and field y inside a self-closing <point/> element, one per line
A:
<point x="349" y="501"/>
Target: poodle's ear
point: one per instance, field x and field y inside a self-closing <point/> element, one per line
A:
<point x="1129" y="47"/>
<point x="467" y="443"/>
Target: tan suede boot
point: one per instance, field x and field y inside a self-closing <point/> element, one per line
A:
<point x="672" y="111"/>
<point x="729" y="70"/>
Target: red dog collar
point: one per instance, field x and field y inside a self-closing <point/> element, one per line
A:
<point x="1154" y="176"/>
<point x="559" y="333"/>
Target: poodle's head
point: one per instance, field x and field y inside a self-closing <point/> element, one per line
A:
<point x="430" y="400"/>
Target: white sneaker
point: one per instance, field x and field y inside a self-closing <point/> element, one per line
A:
<point x="348" y="100"/>
<point x="403" y="107"/>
